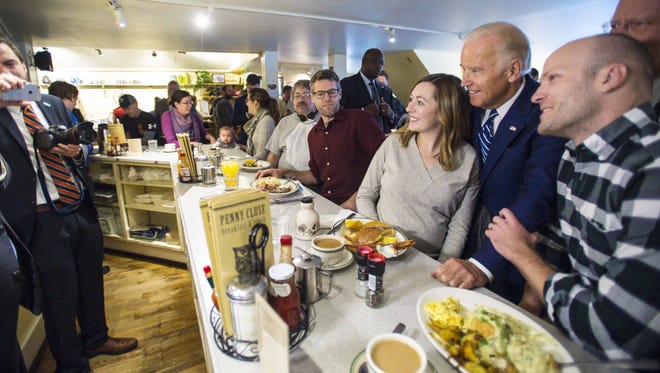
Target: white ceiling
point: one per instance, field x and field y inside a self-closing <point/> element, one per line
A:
<point x="300" y="31"/>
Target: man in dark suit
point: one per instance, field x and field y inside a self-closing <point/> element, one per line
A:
<point x="50" y="207"/>
<point x="518" y="166"/>
<point x="240" y="108"/>
<point x="18" y="285"/>
<point x="363" y="91"/>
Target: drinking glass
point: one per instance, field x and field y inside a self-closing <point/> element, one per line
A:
<point x="153" y="146"/>
<point x="230" y="173"/>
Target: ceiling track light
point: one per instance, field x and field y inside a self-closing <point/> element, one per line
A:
<point x="392" y="32"/>
<point x="120" y="21"/>
<point x="99" y="52"/>
<point x="154" y="54"/>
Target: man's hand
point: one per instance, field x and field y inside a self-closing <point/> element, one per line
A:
<point x="460" y="273"/>
<point x="372" y="109"/>
<point x="509" y="236"/>
<point x="7" y="82"/>
<point x="68" y="150"/>
<point x="385" y="109"/>
<point x="275" y="172"/>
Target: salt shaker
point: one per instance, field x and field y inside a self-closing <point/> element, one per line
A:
<point x="307" y="220"/>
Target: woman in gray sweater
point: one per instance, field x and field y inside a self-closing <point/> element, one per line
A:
<point x="424" y="179"/>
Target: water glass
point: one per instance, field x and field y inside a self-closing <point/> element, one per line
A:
<point x="153" y="146"/>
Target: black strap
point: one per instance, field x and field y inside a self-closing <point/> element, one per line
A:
<point x="44" y="188"/>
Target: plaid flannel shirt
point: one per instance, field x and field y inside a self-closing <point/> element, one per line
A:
<point x="609" y="211"/>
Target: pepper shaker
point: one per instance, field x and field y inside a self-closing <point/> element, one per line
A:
<point x="376" y="268"/>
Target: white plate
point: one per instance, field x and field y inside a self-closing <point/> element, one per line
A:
<point x="470" y="300"/>
<point x="283" y="184"/>
<point x="399" y="237"/>
<point x="343" y="263"/>
<point x="259" y="165"/>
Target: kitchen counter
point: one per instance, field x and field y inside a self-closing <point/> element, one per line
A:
<point x="341" y="325"/>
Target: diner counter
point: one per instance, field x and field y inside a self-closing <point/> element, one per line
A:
<point x="342" y="324"/>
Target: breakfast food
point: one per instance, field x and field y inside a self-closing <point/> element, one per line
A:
<point x="250" y="163"/>
<point x="273" y="185"/>
<point x="377" y="234"/>
<point x="487" y="340"/>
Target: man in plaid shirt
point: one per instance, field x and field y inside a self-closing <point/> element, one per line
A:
<point x="595" y="92"/>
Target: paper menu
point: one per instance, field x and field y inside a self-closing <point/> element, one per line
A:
<point x="272" y="337"/>
<point x="228" y="219"/>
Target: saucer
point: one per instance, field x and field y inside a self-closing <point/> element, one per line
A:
<point x="346" y="261"/>
<point x="361" y="358"/>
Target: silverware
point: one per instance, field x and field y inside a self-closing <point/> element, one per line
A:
<point x="643" y="364"/>
<point x="337" y="225"/>
<point x="398" y="329"/>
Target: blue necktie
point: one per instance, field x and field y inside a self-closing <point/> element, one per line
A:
<point x="486" y="135"/>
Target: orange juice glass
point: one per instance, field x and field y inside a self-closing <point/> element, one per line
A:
<point x="230" y="173"/>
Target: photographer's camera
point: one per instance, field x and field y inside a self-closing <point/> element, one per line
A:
<point x="82" y="133"/>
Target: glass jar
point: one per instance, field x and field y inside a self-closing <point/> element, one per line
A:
<point x="283" y="295"/>
<point x="243" y="308"/>
<point x="307" y="220"/>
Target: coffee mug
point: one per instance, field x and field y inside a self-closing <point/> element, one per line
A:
<point x="329" y="248"/>
<point x="395" y="353"/>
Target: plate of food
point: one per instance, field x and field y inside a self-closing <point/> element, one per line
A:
<point x="380" y="235"/>
<point x="253" y="165"/>
<point x="275" y="187"/>
<point x="474" y="331"/>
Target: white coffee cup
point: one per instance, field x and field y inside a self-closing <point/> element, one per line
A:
<point x="329" y="248"/>
<point x="386" y="352"/>
<point x="170" y="147"/>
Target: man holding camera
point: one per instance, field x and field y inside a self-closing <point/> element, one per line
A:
<point x="49" y="204"/>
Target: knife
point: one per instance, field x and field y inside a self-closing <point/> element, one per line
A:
<point x="337" y="225"/>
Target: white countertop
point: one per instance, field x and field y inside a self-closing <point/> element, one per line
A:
<point x="342" y="324"/>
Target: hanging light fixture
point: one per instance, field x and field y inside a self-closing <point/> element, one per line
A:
<point x="98" y="51"/>
<point x="392" y="35"/>
<point x="120" y="21"/>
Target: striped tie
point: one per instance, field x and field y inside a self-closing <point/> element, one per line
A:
<point x="486" y="136"/>
<point x="62" y="178"/>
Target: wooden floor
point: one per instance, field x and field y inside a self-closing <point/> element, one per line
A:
<point x="152" y="302"/>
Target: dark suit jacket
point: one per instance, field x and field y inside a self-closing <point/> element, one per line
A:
<point x="520" y="172"/>
<point x="354" y="95"/>
<point x="20" y="202"/>
<point x="240" y="117"/>
<point x="18" y="276"/>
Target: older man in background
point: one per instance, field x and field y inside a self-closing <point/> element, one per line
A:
<point x="595" y="92"/>
<point x="640" y="19"/>
<point x="287" y="146"/>
<point x="518" y="166"/>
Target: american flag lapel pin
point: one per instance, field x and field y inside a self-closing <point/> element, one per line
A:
<point x="513" y="128"/>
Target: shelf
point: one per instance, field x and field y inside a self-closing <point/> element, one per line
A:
<point x="159" y="184"/>
<point x="155" y="243"/>
<point x="150" y="207"/>
<point x="106" y="204"/>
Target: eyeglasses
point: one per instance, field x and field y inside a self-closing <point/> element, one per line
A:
<point x="634" y="25"/>
<point x="304" y="94"/>
<point x="186" y="103"/>
<point x="376" y="60"/>
<point x="331" y="92"/>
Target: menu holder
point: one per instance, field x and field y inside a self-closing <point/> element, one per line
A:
<point x="228" y="221"/>
<point x="184" y="143"/>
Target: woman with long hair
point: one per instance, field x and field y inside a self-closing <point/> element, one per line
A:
<point x="424" y="179"/>
<point x="265" y="114"/>
<point x="181" y="118"/>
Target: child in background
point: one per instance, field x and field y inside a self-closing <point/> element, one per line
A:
<point x="227" y="138"/>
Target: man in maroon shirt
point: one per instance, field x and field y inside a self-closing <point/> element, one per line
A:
<point x="341" y="145"/>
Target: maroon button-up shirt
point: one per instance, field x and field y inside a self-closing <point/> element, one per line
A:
<point x="340" y="154"/>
